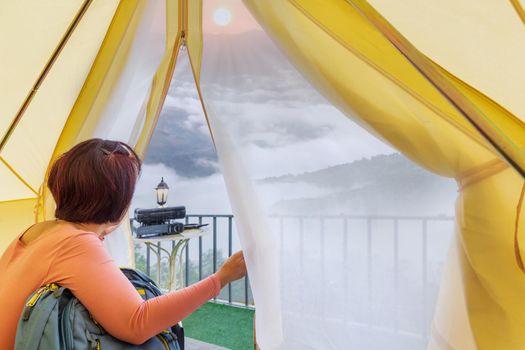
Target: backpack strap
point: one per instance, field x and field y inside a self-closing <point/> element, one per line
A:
<point x="42" y="309"/>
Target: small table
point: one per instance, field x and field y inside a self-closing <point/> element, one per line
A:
<point x="181" y="240"/>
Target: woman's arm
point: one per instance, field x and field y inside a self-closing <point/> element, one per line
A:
<point x="84" y="266"/>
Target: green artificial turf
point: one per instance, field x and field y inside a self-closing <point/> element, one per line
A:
<point x="223" y="325"/>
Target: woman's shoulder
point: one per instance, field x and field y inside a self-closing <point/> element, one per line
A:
<point x="56" y="234"/>
<point x="71" y="236"/>
<point x="79" y="245"/>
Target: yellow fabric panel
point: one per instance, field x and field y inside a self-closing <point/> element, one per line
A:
<point x="369" y="80"/>
<point x="481" y="42"/>
<point x="15" y="216"/>
<point x="162" y="79"/>
<point x="490" y="285"/>
<point x="504" y="129"/>
<point x="500" y="128"/>
<point x="95" y="91"/>
<point x="194" y="35"/>
<point x="29" y="149"/>
<point x="173" y="23"/>
<point x="31" y="30"/>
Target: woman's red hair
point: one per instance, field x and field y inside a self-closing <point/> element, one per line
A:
<point x="94" y="181"/>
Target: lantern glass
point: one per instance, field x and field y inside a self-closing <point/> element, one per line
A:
<point x="162" y="196"/>
<point x="162" y="190"/>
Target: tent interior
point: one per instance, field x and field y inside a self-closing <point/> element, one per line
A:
<point x="372" y="152"/>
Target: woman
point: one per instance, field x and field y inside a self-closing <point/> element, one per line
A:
<point x="92" y="185"/>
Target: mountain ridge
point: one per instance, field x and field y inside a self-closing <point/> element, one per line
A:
<point x="380" y="185"/>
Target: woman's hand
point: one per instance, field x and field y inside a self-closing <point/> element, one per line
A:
<point x="233" y="269"/>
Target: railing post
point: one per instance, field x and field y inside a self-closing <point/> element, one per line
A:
<point x="369" y="267"/>
<point x="396" y="275"/>
<point x="301" y="259"/>
<point x="200" y="252"/>
<point x="148" y="269"/>
<point x="301" y="245"/>
<point x="246" y="301"/>
<point x="187" y="267"/>
<point x="214" y="244"/>
<point x="158" y="264"/>
<point x="424" y="276"/>
<point x="281" y="238"/>
<point x="323" y="279"/>
<point x="229" y="254"/>
<point x="345" y="265"/>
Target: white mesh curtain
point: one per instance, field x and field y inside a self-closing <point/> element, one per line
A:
<point x="327" y="271"/>
<point x="124" y="114"/>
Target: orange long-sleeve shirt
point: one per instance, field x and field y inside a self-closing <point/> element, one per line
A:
<point x="77" y="260"/>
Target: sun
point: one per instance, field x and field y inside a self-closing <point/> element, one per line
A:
<point x="222" y="16"/>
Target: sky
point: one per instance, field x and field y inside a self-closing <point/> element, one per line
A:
<point x="281" y="124"/>
<point x="241" y="19"/>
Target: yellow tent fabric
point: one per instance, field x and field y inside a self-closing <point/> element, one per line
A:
<point x="47" y="52"/>
<point x="369" y="79"/>
<point x="503" y="130"/>
<point x="62" y="70"/>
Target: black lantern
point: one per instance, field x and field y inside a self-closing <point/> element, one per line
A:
<point x="162" y="192"/>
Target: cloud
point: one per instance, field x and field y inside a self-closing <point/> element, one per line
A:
<point x="275" y="138"/>
<point x="278" y="123"/>
<point x="181" y="139"/>
<point x="203" y="195"/>
<point x="182" y="143"/>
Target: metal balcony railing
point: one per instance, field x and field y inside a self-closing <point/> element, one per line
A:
<point x="373" y="236"/>
<point x="222" y="229"/>
<point x="215" y="222"/>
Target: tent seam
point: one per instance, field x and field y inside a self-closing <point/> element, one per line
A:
<point x="519" y="10"/>
<point x="18" y="176"/>
<point x="517" y="250"/>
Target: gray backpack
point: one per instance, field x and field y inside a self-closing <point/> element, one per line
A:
<point x="54" y="319"/>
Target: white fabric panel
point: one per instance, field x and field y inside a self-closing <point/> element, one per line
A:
<point x="124" y="114"/>
<point x="339" y="255"/>
<point x="124" y="111"/>
<point x="257" y="239"/>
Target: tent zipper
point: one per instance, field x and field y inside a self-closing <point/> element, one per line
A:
<point x="183" y="21"/>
